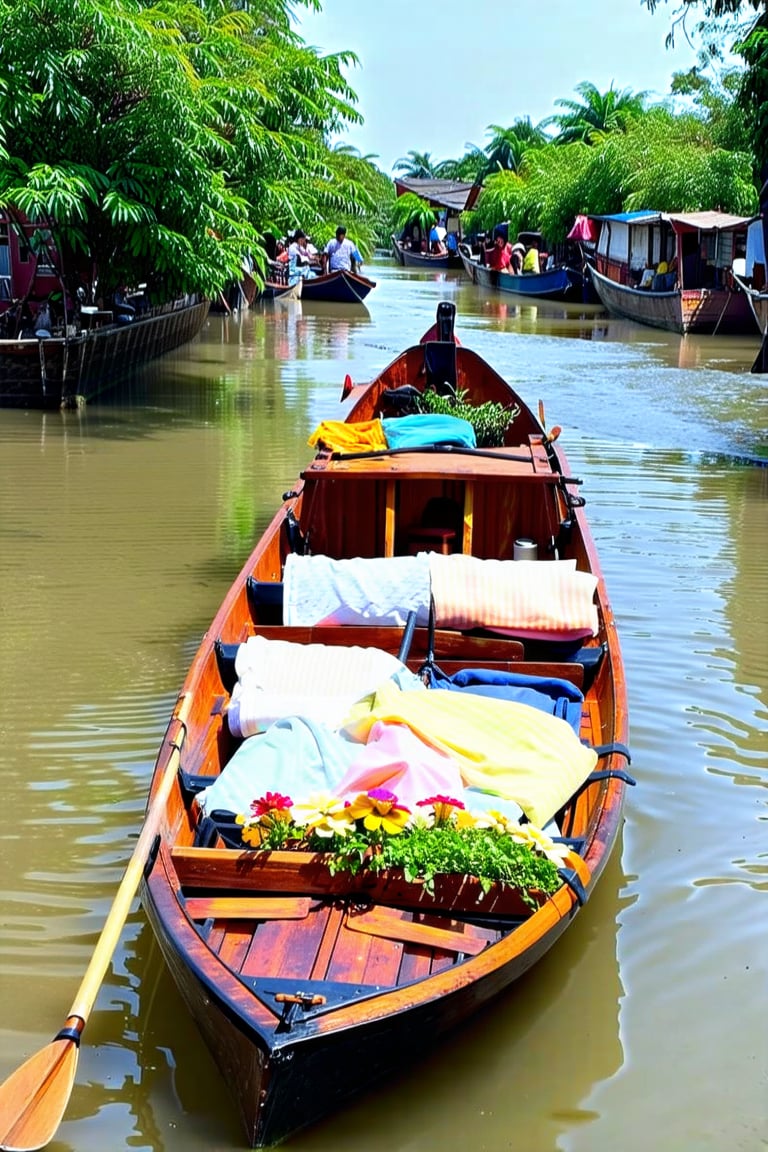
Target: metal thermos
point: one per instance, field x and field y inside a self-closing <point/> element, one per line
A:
<point x="525" y="549"/>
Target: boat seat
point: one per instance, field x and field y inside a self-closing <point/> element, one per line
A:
<point x="266" y="599"/>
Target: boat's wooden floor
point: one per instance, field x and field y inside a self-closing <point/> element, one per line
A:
<point x="336" y="940"/>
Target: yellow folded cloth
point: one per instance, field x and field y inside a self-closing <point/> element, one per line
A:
<point x="502" y="747"/>
<point x="339" y="436"/>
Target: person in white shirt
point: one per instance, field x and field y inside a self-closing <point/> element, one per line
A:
<point x="341" y="253"/>
<point x="299" y="259"/>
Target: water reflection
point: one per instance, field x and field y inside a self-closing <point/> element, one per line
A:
<point x="122" y="525"/>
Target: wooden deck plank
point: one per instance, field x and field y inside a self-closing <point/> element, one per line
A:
<point x="447" y="641"/>
<point x="350" y="956"/>
<point x="399" y="927"/>
<point x="233" y="946"/>
<point x="286" y="948"/>
<point x="248" y="907"/>
<point x="383" y="964"/>
<point x="333" y="924"/>
<point x="416" y="963"/>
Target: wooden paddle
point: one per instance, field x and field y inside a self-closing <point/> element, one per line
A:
<point x="34" y="1097"/>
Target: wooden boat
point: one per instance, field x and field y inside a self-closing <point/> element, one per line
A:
<point x="273" y="290"/>
<point x="411" y="258"/>
<point x="308" y="985"/>
<point x="561" y="283"/>
<point x="340" y="287"/>
<point x="63" y="370"/>
<point x="698" y="297"/>
<point x="448" y="199"/>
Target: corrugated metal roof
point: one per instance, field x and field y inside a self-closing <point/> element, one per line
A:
<point x="706" y="221"/>
<point x="441" y="193"/>
<point x="702" y="221"/>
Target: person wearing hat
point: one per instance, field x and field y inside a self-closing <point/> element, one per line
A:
<point x="341" y="254"/>
<point x="299" y="259"/>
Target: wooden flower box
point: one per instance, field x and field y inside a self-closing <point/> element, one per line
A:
<point x="308" y="873"/>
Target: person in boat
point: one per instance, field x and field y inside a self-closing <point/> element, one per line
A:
<point x="341" y="254"/>
<point x="531" y="260"/>
<point x="452" y="244"/>
<point x="299" y="259"/>
<point x="436" y="245"/>
<point x="122" y="307"/>
<point x="516" y="259"/>
<point x="499" y="257"/>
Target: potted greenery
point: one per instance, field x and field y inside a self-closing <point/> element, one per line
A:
<point x="441" y="855"/>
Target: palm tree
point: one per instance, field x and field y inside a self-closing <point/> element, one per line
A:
<point x="507" y="146"/>
<point x="417" y="165"/>
<point x="597" y="113"/>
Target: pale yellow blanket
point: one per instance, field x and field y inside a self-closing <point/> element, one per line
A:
<point x="501" y="747"/>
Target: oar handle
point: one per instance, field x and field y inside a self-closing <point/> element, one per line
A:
<point x="121" y="905"/>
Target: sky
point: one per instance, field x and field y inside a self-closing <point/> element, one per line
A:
<point x="434" y="74"/>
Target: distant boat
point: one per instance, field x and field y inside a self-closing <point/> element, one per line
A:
<point x="449" y="198"/>
<point x="672" y="270"/>
<point x="339" y="287"/>
<point x="273" y="290"/>
<point x="412" y="258"/>
<point x="555" y="284"/>
<point x="63" y="370"/>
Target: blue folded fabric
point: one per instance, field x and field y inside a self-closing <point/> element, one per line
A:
<point x="557" y="697"/>
<point x="422" y="431"/>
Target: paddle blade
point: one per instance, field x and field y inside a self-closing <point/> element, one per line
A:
<point x="34" y="1098"/>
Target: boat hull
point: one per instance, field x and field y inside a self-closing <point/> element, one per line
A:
<point x="340" y="287"/>
<point x="283" y="1083"/>
<point x="275" y="291"/>
<point x="424" y="260"/>
<point x="704" y="310"/>
<point x="556" y="284"/>
<point x="308" y="984"/>
<point x="62" y="371"/>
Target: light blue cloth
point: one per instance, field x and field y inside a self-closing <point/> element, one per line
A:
<point x="423" y="431"/>
<point x="296" y="757"/>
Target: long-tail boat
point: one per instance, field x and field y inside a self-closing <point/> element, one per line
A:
<point x="74" y="363"/>
<point x="338" y="287"/>
<point x="307" y="981"/>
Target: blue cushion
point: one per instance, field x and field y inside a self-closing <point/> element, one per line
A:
<point x="557" y="697"/>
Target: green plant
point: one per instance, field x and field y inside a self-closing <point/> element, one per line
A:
<point x="377" y="833"/>
<point x="489" y="420"/>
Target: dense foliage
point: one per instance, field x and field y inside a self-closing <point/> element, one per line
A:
<point x="158" y="142"/>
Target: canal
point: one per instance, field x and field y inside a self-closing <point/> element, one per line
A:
<point x="121" y="527"/>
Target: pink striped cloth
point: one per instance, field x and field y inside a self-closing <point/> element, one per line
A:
<point x="550" y="598"/>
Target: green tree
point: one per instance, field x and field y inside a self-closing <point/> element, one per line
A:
<point x="507" y="146"/>
<point x="416" y="166"/>
<point x="596" y="113"/>
<point x="157" y="141"/>
<point x="663" y="162"/>
<point x="742" y="26"/>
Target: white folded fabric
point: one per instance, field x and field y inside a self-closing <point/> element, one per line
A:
<point x="319" y="590"/>
<point x="320" y="682"/>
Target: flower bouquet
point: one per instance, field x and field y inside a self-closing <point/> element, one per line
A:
<point x="441" y="855"/>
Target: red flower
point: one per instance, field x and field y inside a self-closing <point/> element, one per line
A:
<point x="270" y="802"/>
<point x="443" y="807"/>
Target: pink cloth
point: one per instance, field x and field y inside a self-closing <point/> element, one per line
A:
<point x="396" y="759"/>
